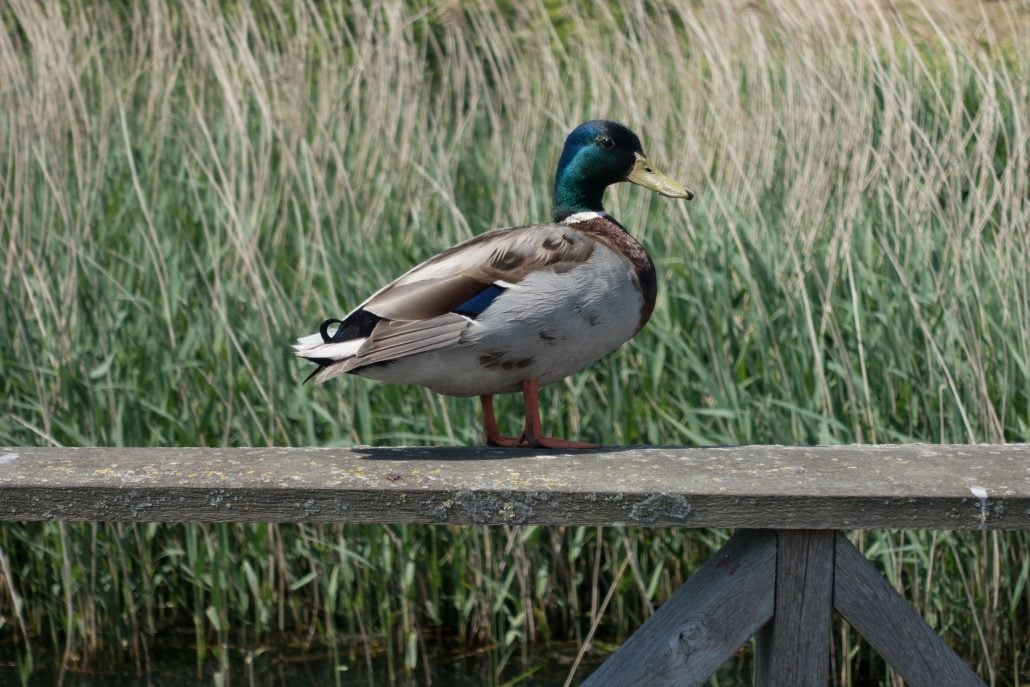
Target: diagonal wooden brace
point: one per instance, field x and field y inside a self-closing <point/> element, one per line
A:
<point x="891" y="626"/>
<point x="726" y="601"/>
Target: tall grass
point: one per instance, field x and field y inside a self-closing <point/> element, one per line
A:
<point x="184" y="187"/>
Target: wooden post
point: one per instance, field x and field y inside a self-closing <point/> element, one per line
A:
<point x="793" y="649"/>
<point x="785" y="585"/>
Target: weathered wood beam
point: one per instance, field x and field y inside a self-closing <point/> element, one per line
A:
<point x="703" y="623"/>
<point x="891" y="626"/>
<point x="832" y="487"/>
<point x="793" y="649"/>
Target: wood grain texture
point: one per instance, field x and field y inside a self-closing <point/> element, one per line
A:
<point x="793" y="649"/>
<point x="703" y="623"/>
<point x="891" y="626"/>
<point x="839" y="487"/>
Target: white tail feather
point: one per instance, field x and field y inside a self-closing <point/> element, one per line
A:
<point x="313" y="347"/>
<point x="309" y="340"/>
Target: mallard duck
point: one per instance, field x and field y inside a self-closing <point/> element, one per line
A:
<point x="516" y="308"/>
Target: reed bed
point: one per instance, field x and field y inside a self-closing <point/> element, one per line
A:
<point x="186" y="186"/>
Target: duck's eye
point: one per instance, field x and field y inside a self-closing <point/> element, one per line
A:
<point x="606" y="142"/>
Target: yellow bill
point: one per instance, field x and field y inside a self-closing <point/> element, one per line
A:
<point x="647" y="175"/>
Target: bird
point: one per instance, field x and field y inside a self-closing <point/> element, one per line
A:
<point x="517" y="308"/>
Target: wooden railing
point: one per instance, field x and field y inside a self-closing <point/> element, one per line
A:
<point x="779" y="578"/>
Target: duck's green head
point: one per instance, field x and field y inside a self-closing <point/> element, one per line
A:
<point x="597" y="154"/>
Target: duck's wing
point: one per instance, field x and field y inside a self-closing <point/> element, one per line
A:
<point x="430" y="306"/>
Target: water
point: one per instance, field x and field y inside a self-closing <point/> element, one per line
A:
<point x="452" y="667"/>
<point x="448" y="666"/>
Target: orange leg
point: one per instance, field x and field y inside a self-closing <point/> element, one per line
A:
<point x="532" y="434"/>
<point x="490" y="429"/>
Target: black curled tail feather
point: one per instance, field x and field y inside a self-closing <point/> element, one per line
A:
<point x="358" y="325"/>
<point x="323" y="329"/>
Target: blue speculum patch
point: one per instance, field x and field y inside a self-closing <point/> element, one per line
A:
<point x="480" y="302"/>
